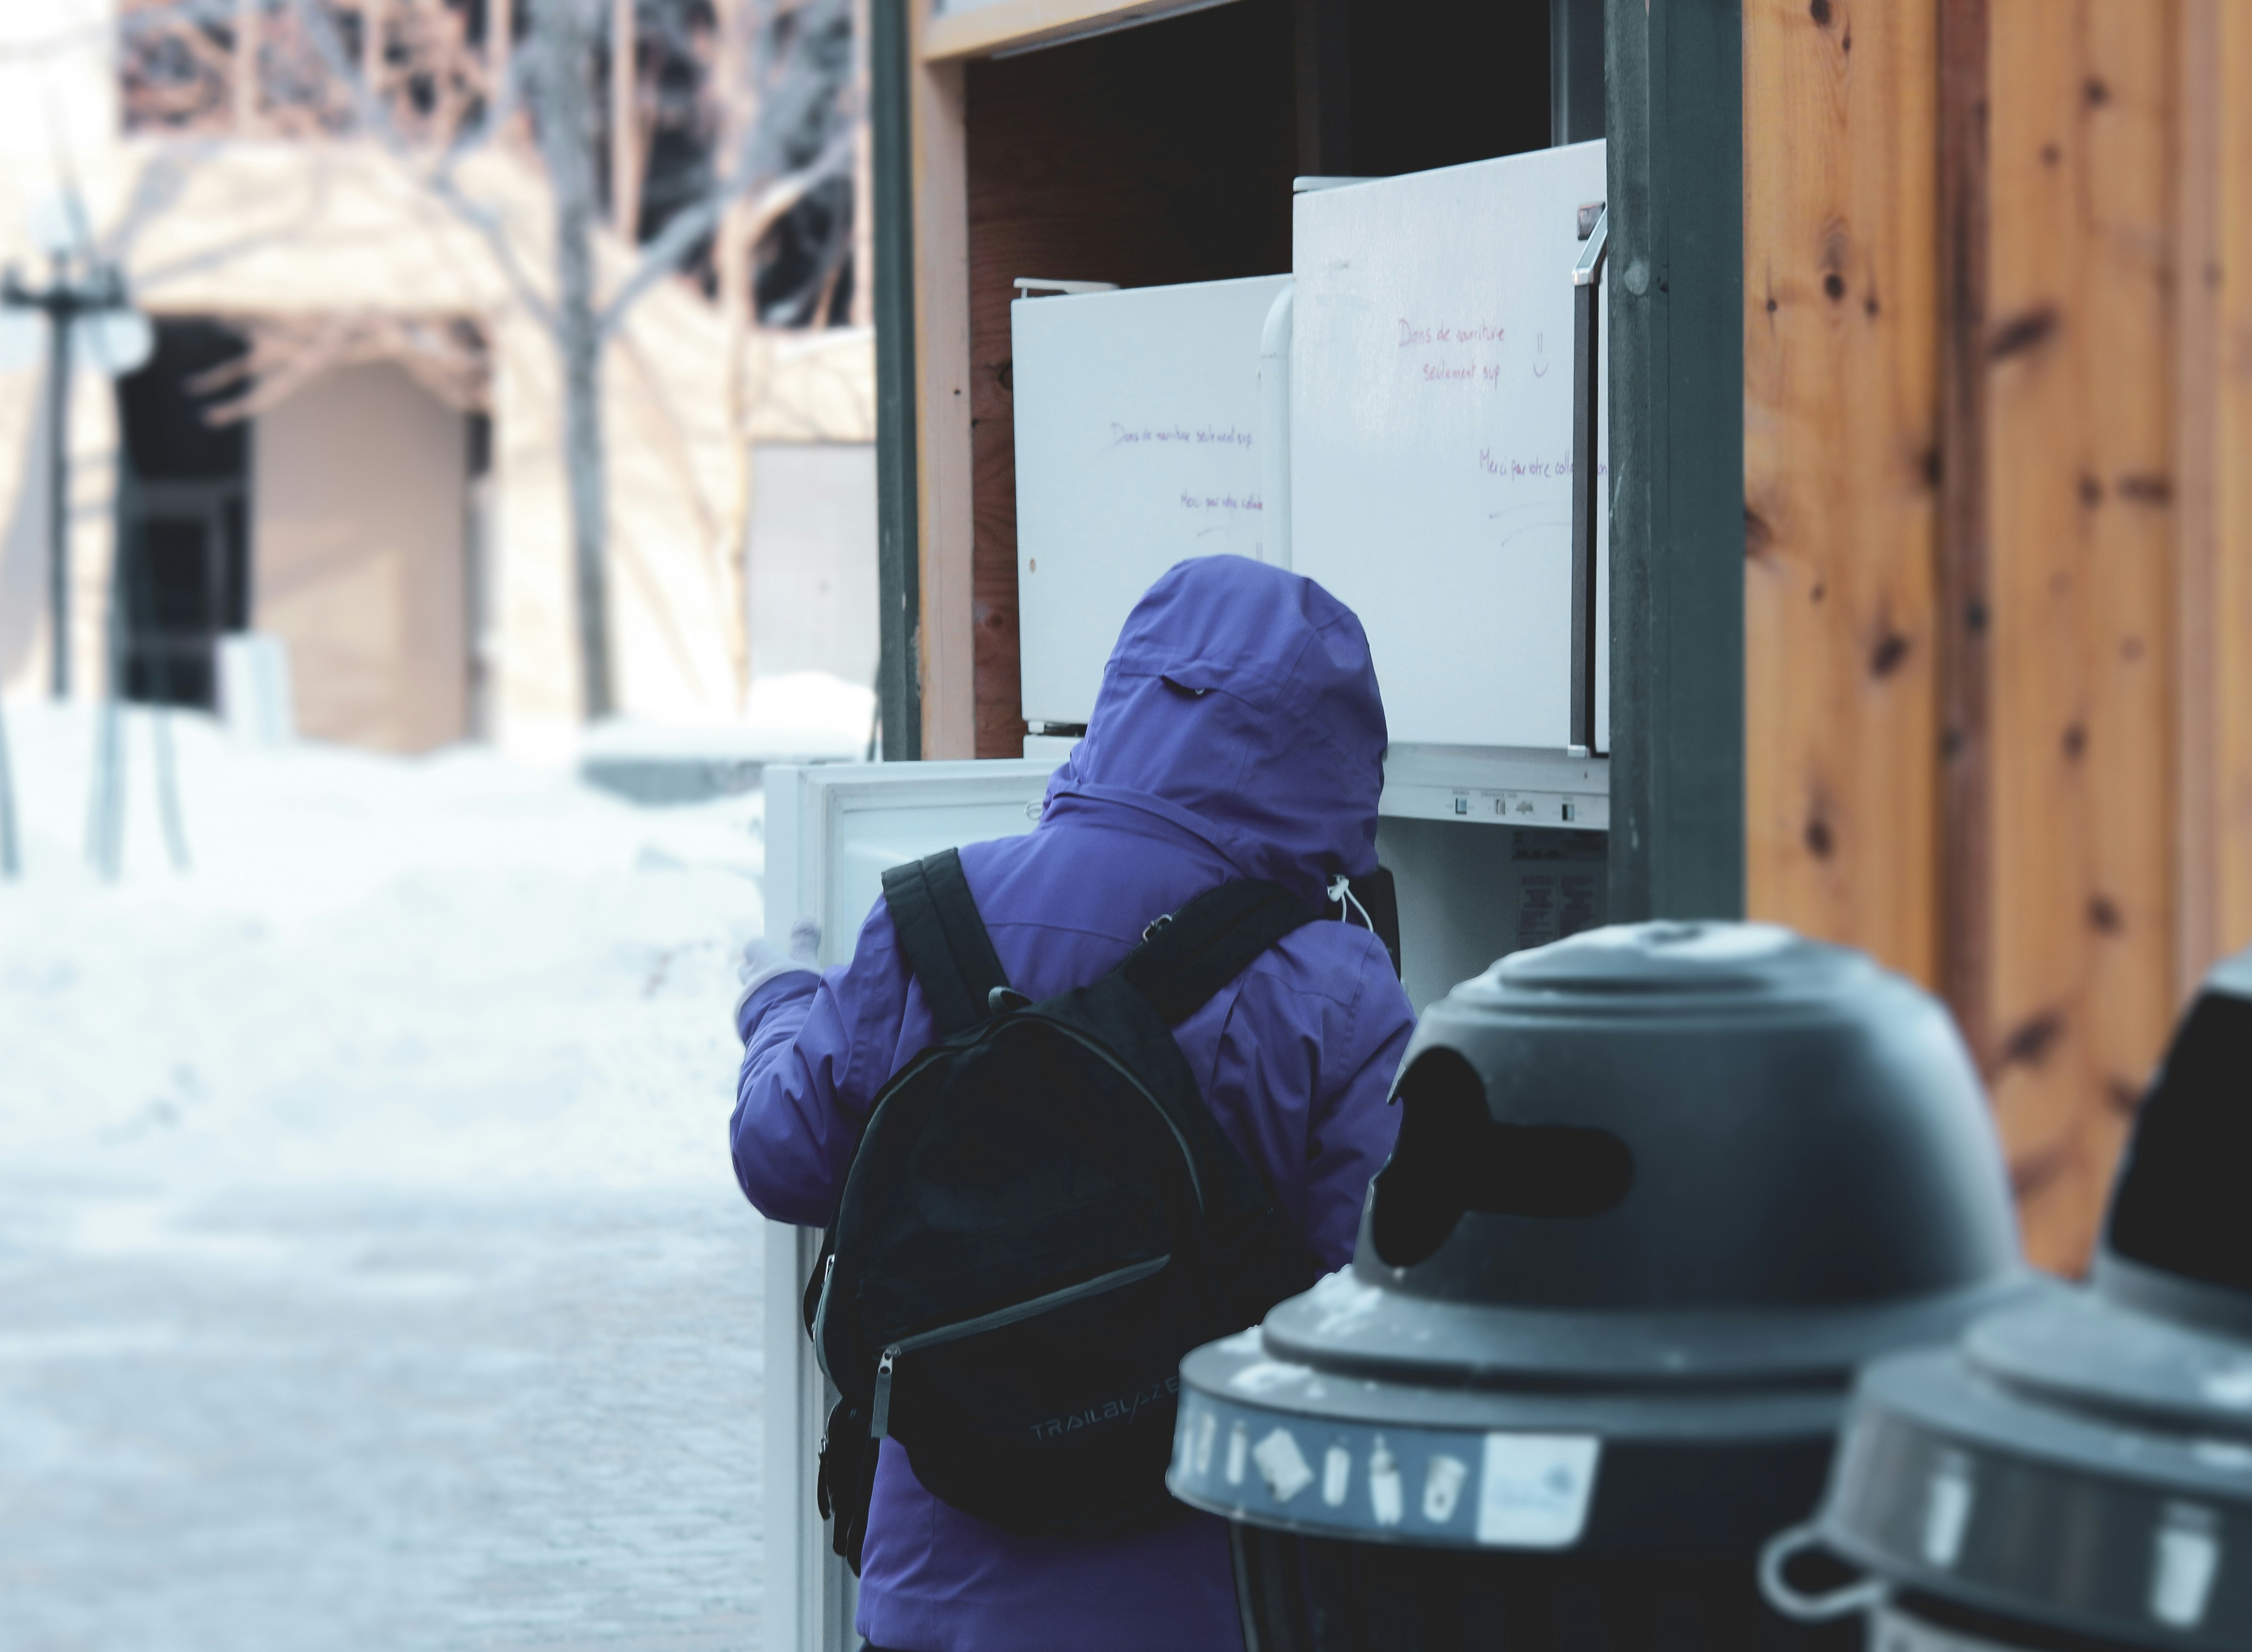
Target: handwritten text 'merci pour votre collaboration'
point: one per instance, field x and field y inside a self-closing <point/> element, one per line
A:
<point x="1496" y="464"/>
<point x="1219" y="501"/>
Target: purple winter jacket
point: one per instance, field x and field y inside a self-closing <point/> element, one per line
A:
<point x="1238" y="734"/>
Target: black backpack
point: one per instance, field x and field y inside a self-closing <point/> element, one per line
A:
<point x="1042" y="1218"/>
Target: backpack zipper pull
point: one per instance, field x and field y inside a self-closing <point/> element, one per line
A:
<point x="880" y="1412"/>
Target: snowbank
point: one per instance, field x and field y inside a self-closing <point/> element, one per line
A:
<point x="454" y="968"/>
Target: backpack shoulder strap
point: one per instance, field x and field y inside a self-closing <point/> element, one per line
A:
<point x="1186" y="957"/>
<point x="936" y="920"/>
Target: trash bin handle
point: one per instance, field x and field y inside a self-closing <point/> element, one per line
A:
<point x="1786" y="1546"/>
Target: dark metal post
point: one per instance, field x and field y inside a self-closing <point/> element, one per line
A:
<point x="898" y="585"/>
<point x="59" y="313"/>
<point x="1675" y="99"/>
<point x="1587" y="477"/>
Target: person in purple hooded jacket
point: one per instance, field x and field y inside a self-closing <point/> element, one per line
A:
<point x="1238" y="733"/>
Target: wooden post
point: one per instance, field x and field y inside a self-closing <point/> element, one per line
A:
<point x="2082" y="513"/>
<point x="2214" y="609"/>
<point x="625" y="123"/>
<point x="1840" y="423"/>
<point x="940" y="215"/>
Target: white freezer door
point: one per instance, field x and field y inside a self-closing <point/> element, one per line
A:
<point x="1137" y="432"/>
<point x="830" y="831"/>
<point x="1431" y="438"/>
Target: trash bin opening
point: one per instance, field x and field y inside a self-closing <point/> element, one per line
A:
<point x="1453" y="1157"/>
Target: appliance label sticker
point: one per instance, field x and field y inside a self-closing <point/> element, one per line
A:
<point x="1536" y="1488"/>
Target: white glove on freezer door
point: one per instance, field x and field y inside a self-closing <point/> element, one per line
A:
<point x="763" y="961"/>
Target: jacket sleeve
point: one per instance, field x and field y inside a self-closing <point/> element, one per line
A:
<point x="1302" y="1074"/>
<point x="1351" y="1125"/>
<point x="815" y="1050"/>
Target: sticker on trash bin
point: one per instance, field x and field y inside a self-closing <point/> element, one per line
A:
<point x="2186" y="1555"/>
<point x="1282" y="1465"/>
<point x="1337" y="1475"/>
<point x="1384" y="1501"/>
<point x="1442" y="1484"/>
<point x="1536" y="1488"/>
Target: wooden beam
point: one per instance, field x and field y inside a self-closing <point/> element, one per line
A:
<point x="1841" y="467"/>
<point x="2214" y="362"/>
<point x="979" y="31"/>
<point x="946" y="640"/>
<point x="2082" y="511"/>
<point x="2228" y="688"/>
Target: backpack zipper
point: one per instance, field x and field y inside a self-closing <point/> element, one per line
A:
<point x="821" y="1313"/>
<point x="879" y="1411"/>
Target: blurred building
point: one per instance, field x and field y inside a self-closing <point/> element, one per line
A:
<point x="350" y="436"/>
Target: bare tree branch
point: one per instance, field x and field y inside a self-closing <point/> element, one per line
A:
<point x="375" y="119"/>
<point x="686" y="228"/>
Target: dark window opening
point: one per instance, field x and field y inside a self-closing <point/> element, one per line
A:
<point x="183" y="520"/>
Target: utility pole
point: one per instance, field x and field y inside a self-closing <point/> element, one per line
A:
<point x="96" y="289"/>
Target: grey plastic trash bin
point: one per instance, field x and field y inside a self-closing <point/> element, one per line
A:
<point x="2077" y="1471"/>
<point x="1659" y="1190"/>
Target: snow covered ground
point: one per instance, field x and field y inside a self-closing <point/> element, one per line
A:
<point x="371" y="1271"/>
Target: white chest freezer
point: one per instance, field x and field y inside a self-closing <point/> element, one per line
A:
<point x="1431" y="450"/>
<point x="831" y="830"/>
<point x="1138" y="444"/>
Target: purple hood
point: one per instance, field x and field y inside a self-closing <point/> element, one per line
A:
<point x="1241" y="704"/>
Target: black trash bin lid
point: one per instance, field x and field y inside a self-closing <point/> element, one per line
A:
<point x="2084" y="1464"/>
<point x="1762" y="1159"/>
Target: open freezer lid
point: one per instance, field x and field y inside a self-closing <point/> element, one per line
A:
<point x="833" y="829"/>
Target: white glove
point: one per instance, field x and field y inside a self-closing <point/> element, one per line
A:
<point x="763" y="961"/>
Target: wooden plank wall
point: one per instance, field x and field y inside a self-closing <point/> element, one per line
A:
<point x="1998" y="394"/>
<point x="1125" y="158"/>
<point x="1841" y="433"/>
<point x="2081" y="498"/>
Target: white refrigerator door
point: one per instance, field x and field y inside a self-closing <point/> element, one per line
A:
<point x="830" y="831"/>
<point x="1431" y="438"/>
<point x="1137" y="439"/>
